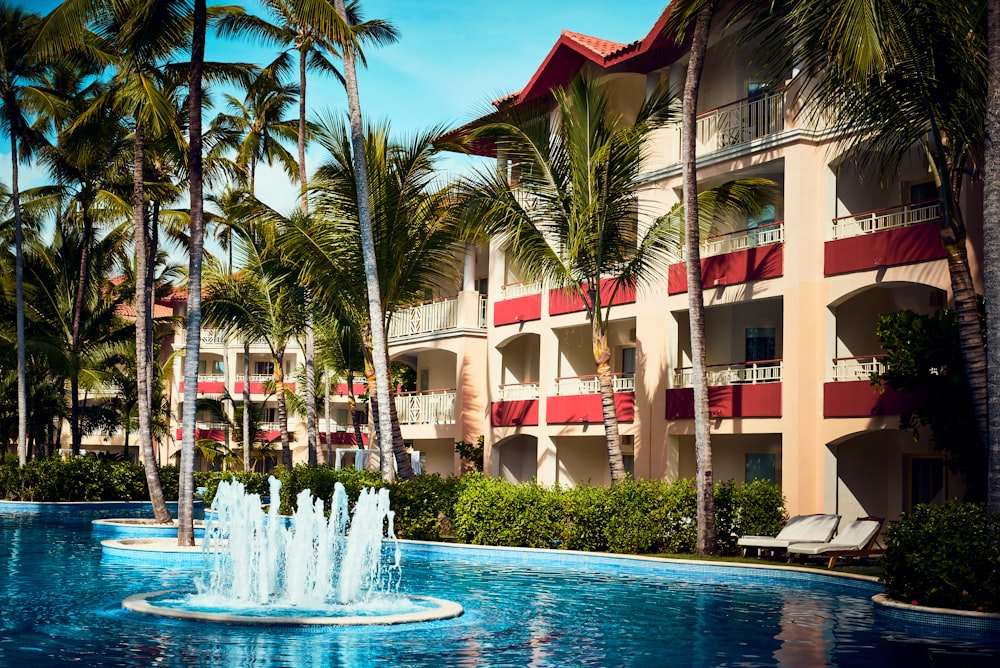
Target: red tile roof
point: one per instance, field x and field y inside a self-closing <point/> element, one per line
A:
<point x="596" y="45"/>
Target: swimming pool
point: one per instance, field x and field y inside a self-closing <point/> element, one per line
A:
<point x="61" y="602"/>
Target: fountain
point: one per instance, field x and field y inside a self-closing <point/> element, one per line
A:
<point x="309" y="569"/>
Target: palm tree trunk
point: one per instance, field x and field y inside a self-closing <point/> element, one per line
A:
<point x="81" y="288"/>
<point x="185" y="502"/>
<point x="22" y="359"/>
<point x="706" y="539"/>
<point x="404" y="465"/>
<point x="279" y="384"/>
<point x="602" y="357"/>
<point x="74" y="409"/>
<point x="246" y="406"/>
<point x="352" y="406"/>
<point x="312" y="435"/>
<point x="143" y="351"/>
<point x="375" y="313"/>
<point x="991" y="249"/>
<point x="326" y="411"/>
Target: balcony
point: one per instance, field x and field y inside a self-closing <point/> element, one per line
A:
<point x="518" y="302"/>
<point x="741" y="122"/>
<point x="737" y="257"/>
<point x="577" y="399"/>
<point x="440" y="315"/>
<point x="518" y="391"/>
<point x="212" y="337"/>
<point x="741" y="389"/>
<point x="886" y="237"/>
<point x="621" y="382"/>
<point x="851" y="393"/>
<point x="426" y="407"/>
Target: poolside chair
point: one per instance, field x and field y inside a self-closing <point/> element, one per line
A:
<point x="858" y="539"/>
<point x="798" y="529"/>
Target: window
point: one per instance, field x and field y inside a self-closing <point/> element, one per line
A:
<point x="761" y="344"/>
<point x="269" y="415"/>
<point x="921" y="192"/>
<point x="761" y="466"/>
<point x="928" y="482"/>
<point x="211" y="368"/>
<point x="263" y="368"/>
<point x="425" y="380"/>
<point x="629" y="462"/>
<point x="342" y="418"/>
<point x="628" y="361"/>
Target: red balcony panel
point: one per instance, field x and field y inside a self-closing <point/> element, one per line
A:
<point x="211" y="388"/>
<point x="212" y="434"/>
<point x="752" y="264"/>
<point x="342" y="438"/>
<point x="859" y="398"/>
<point x="518" y="309"/>
<point x="341" y="389"/>
<point x="586" y="408"/>
<point x="273" y="435"/>
<point x="514" y="413"/>
<point x="256" y="388"/>
<point x="728" y="401"/>
<point x="563" y="301"/>
<point x="891" y="248"/>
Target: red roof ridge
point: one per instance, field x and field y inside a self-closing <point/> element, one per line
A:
<point x="601" y="47"/>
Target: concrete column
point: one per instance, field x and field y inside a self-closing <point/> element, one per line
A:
<point x="469" y="270"/>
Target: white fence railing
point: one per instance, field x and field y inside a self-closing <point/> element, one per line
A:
<point x="741" y="122"/>
<point x="518" y="392"/>
<point x="737" y="373"/>
<point x="857" y="368"/>
<point x="211" y="378"/>
<point x="884" y="219"/>
<point x="765" y="235"/>
<point x="424" y="318"/>
<point x="427" y="407"/>
<point x="210" y="425"/>
<point x="514" y="290"/>
<point x="621" y="382"/>
<point x="213" y="336"/>
<point x="483" y="311"/>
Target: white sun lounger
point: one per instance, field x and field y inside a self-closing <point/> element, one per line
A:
<point x="856" y="540"/>
<point x="798" y="529"/>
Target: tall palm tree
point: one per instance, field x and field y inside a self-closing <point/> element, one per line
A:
<point x="19" y="65"/>
<point x="572" y="217"/>
<point x="260" y="304"/>
<point x="415" y="241"/>
<point x="991" y="247"/>
<point x="304" y="26"/>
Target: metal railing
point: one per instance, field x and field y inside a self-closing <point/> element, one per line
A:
<point x="889" y="218"/>
<point x="518" y="391"/>
<point x="573" y="385"/>
<point x="734" y="373"/>
<point x="426" y="407"/>
<point x="424" y="318"/>
<point x="514" y="290"/>
<point x="857" y="368"/>
<point x="741" y="122"/>
<point x="765" y="235"/>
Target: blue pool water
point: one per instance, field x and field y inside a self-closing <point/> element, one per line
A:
<point x="60" y="602"/>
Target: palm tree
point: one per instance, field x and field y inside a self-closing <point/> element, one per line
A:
<point x="19" y="65"/>
<point x="991" y="247"/>
<point x="415" y="242"/>
<point x="304" y="26"/>
<point x="260" y="304"/>
<point x="901" y="75"/>
<point x="572" y="217"/>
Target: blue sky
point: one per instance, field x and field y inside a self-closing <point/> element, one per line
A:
<point x="452" y="58"/>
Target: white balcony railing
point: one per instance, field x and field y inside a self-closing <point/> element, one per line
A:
<point x="427" y="407"/>
<point x="857" y="368"/>
<point x="211" y="378"/>
<point x="737" y="373"/>
<point x="518" y="392"/>
<point x="210" y="425"/>
<point x="884" y="219"/>
<point x="621" y="382"/>
<point x="741" y="122"/>
<point x="213" y="336"/>
<point x="765" y="235"/>
<point x="514" y="290"/>
<point x="268" y="426"/>
<point x="322" y="427"/>
<point x="483" y="310"/>
<point x="425" y="318"/>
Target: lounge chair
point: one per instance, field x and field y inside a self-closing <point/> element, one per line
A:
<point x="798" y="529"/>
<point x="858" y="539"/>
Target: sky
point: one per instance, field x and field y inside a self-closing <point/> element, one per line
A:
<point x="452" y="58"/>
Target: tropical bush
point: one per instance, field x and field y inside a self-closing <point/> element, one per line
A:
<point x="75" y="479"/>
<point x="945" y="556"/>
<point x="754" y="509"/>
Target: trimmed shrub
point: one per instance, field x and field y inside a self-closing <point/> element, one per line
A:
<point x="74" y="479"/>
<point x="253" y="482"/>
<point x="423" y="506"/>
<point x="753" y="509"/>
<point x="945" y="556"/>
<point x="489" y="511"/>
<point x="680" y="508"/>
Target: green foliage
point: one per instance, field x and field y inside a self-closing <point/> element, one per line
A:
<point x="74" y="479"/>
<point x="472" y="452"/>
<point x="944" y="556"/>
<point x="923" y="357"/>
<point x="753" y="509"/>
<point x="489" y="511"/>
<point x="253" y="482"/>
<point x="423" y="506"/>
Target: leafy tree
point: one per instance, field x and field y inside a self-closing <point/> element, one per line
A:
<point x="924" y="358"/>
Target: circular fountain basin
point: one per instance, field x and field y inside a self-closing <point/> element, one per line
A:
<point x="404" y="610"/>
<point x="140" y="527"/>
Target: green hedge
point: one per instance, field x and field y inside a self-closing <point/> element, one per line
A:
<point x="945" y="556"/>
<point x="637" y="516"/>
<point x="74" y="479"/>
